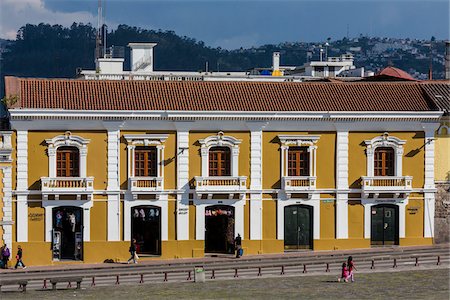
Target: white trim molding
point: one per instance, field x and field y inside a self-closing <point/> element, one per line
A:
<point x="200" y="206"/>
<point x="146" y="185"/>
<point x="384" y="141"/>
<point x="220" y="140"/>
<point x="22" y="186"/>
<point x="230" y="185"/>
<point x="76" y="186"/>
<point x="314" y="201"/>
<point x="161" y="203"/>
<point x="399" y="185"/>
<point x="85" y="205"/>
<point x="67" y="140"/>
<point x="182" y="157"/>
<point x="7" y="220"/>
<point x="113" y="184"/>
<point x="298" y="184"/>
<point x="368" y="203"/>
<point x="342" y="184"/>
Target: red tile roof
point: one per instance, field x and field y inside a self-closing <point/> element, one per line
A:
<point x="217" y="96"/>
<point x="395" y="73"/>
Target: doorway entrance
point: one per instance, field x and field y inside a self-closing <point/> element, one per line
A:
<point x="67" y="233"/>
<point x="219" y="229"/>
<point x="146" y="229"/>
<point x="384" y="229"/>
<point x="298" y="227"/>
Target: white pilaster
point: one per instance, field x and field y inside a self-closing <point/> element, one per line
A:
<point x="183" y="184"/>
<point x="429" y="205"/>
<point x="429" y="198"/>
<point x="255" y="185"/>
<point x="7" y="206"/>
<point x="113" y="185"/>
<point x="22" y="186"/>
<point x="342" y="185"/>
<point x="22" y="160"/>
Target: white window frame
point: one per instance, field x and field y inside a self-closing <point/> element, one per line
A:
<point x="146" y="140"/>
<point x="384" y="141"/>
<point x="67" y="140"/>
<point x="220" y="140"/>
<point x="309" y="141"/>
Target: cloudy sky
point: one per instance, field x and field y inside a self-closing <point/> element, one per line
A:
<point x="244" y="23"/>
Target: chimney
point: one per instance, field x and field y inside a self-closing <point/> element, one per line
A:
<point x="276" y="61"/>
<point x="447" y="60"/>
<point x="141" y="57"/>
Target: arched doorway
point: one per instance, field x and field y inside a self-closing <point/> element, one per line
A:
<point x="146" y="229"/>
<point x="219" y="229"/>
<point x="384" y="224"/>
<point x="298" y="227"/>
<point x="67" y="237"/>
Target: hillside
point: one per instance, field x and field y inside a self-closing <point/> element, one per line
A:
<point x="55" y="51"/>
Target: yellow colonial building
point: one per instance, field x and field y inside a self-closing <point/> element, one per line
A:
<point x="183" y="167"/>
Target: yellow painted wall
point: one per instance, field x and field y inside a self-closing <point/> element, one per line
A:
<point x="269" y="220"/>
<point x="38" y="159"/>
<point x="413" y="157"/>
<point x="99" y="220"/>
<point x="327" y="220"/>
<point x="355" y="219"/>
<point x="442" y="154"/>
<point x="325" y="159"/>
<point x="36" y="222"/>
<point x="195" y="160"/>
<point x="169" y="158"/>
<point x="414" y="219"/>
<point x="171" y="211"/>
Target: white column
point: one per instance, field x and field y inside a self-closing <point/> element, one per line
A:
<point x="429" y="197"/>
<point x="200" y="221"/>
<point x="234" y="161"/>
<point x="7" y="206"/>
<point x="113" y="188"/>
<point x="183" y="184"/>
<point x="22" y="186"/>
<point x="284" y="149"/>
<point x="342" y="185"/>
<point x="255" y="185"/>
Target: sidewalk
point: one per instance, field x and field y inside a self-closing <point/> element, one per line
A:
<point x="223" y="257"/>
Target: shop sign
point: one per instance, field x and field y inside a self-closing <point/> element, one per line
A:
<point x="413" y="210"/>
<point x="35" y="216"/>
<point x="183" y="211"/>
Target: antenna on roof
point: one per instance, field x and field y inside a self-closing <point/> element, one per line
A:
<point x="100" y="39"/>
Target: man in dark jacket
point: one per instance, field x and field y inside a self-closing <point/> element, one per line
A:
<point x="19" y="258"/>
<point x="238" y="245"/>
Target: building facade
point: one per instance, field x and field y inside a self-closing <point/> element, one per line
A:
<point x="183" y="167"/>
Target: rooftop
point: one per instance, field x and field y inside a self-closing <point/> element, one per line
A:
<point x="134" y="95"/>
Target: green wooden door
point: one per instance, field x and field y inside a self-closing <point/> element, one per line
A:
<point x="384" y="225"/>
<point x="298" y="227"/>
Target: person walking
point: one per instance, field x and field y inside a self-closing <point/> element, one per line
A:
<point x="344" y="273"/>
<point x="133" y="253"/>
<point x="238" y="245"/>
<point x="351" y="267"/>
<point x="19" y="258"/>
<point x="5" y="256"/>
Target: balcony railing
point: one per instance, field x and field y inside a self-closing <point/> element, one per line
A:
<point x="67" y="184"/>
<point x="145" y="184"/>
<point x="221" y="184"/>
<point x="386" y="184"/>
<point x="298" y="184"/>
